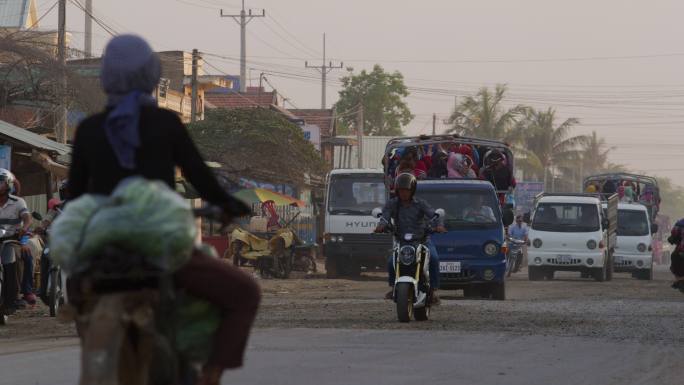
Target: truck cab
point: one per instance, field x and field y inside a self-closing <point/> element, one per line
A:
<point x="348" y="242"/>
<point x="634" y="241"/>
<point x="572" y="232"/>
<point x="472" y="253"/>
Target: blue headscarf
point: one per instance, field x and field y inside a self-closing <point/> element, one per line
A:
<point x="130" y="72"/>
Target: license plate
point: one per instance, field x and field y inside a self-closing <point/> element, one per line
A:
<point x="564" y="258"/>
<point x="450" y="267"/>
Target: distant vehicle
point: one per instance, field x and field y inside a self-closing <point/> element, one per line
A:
<point x="646" y="188"/>
<point x="348" y="242"/>
<point x="634" y="241"/>
<point x="572" y="232"/>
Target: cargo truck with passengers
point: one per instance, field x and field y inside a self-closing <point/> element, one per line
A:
<point x="472" y="251"/>
<point x="573" y="232"/>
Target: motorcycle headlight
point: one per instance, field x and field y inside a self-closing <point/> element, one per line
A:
<point x="591" y="244"/>
<point x="537" y="243"/>
<point x="407" y="255"/>
<point x="491" y="249"/>
<point x="641" y="247"/>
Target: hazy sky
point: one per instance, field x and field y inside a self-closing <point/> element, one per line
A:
<point x="617" y="65"/>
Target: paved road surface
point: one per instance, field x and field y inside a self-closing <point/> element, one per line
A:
<point x="375" y="357"/>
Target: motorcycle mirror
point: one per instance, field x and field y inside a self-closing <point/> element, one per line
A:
<point x="377" y="212"/>
<point x="37" y="216"/>
<point x="440" y="213"/>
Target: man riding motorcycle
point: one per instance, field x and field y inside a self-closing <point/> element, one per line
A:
<point x="410" y="214"/>
<point x="133" y="137"/>
<point x="519" y="231"/>
<point x="15" y="220"/>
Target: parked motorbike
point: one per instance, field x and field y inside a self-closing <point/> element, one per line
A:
<point x="7" y="240"/>
<point x="514" y="256"/>
<point x="411" y="259"/>
<point x="126" y="312"/>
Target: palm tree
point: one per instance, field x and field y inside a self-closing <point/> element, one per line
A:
<point x="483" y="115"/>
<point x="552" y="145"/>
<point x="595" y="155"/>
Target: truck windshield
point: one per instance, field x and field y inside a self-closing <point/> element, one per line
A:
<point x="355" y="194"/>
<point x="632" y="223"/>
<point x="465" y="209"/>
<point x="566" y="217"/>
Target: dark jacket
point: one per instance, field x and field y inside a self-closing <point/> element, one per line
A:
<point x="165" y="144"/>
<point x="410" y="219"/>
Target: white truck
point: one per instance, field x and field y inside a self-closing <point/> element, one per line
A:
<point x="633" y="251"/>
<point x="572" y="232"/>
<point x="349" y="243"/>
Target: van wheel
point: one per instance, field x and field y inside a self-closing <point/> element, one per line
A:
<point x="331" y="267"/>
<point x="535" y="273"/>
<point x="646" y="275"/>
<point x="599" y="274"/>
<point x="499" y="291"/>
<point x="610" y="268"/>
<point x="549" y="275"/>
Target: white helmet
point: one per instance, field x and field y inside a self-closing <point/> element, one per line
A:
<point x="7" y="177"/>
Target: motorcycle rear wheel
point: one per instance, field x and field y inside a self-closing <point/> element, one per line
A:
<point x="55" y="291"/>
<point x="404" y="298"/>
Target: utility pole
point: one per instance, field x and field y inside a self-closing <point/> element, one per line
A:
<point x="61" y="128"/>
<point x="324" y="70"/>
<point x="359" y="136"/>
<point x="243" y="19"/>
<point x="193" y="102"/>
<point x="434" y="124"/>
<point x="88" y="29"/>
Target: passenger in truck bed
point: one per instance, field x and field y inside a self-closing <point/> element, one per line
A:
<point x="458" y="166"/>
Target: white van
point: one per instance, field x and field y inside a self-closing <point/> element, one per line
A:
<point x="634" y="241"/>
<point x="572" y="232"/>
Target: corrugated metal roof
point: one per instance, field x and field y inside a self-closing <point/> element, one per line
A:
<point x="373" y="151"/>
<point x="14" y="13"/>
<point x="33" y="140"/>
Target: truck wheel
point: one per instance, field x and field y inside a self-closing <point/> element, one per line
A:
<point x="421" y="314"/>
<point x="331" y="267"/>
<point x="404" y="299"/>
<point x="610" y="268"/>
<point x="599" y="274"/>
<point x="535" y="273"/>
<point x="499" y="291"/>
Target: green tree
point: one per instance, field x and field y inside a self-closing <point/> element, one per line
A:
<point x="257" y="143"/>
<point x="382" y="96"/>
<point x="552" y="145"/>
<point x="484" y="116"/>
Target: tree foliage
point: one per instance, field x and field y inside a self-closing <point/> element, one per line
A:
<point x="257" y="143"/>
<point x="484" y="116"/>
<point x="382" y="96"/>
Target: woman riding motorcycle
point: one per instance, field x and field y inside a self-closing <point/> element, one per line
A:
<point x="133" y="137"/>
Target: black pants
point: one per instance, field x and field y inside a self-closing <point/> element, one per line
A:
<point x="677" y="263"/>
<point x="9" y="285"/>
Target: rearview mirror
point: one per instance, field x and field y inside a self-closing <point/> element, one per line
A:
<point x="605" y="223"/>
<point x="508" y="217"/>
<point x="440" y="213"/>
<point x="37" y="216"/>
<point x="527" y="217"/>
<point x="377" y="212"/>
<point x="654" y="228"/>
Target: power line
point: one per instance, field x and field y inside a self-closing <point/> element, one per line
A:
<point x="324" y="69"/>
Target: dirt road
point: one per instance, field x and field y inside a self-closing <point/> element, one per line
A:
<point x="625" y="331"/>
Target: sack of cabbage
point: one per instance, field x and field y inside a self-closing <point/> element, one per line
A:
<point x="156" y="222"/>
